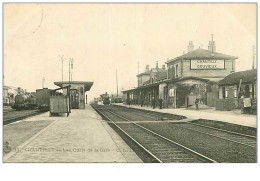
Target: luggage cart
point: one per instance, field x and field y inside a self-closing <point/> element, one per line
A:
<point x="60" y="103"/>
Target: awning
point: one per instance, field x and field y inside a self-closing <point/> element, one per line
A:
<point x="87" y="85"/>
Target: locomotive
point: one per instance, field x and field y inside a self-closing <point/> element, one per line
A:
<point x="105" y="98"/>
<point x="24" y="101"/>
<point x="40" y="99"/>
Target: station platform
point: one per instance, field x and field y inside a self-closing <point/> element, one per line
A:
<point x="233" y="117"/>
<point x="81" y="137"/>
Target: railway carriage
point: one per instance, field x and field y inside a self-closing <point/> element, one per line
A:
<point x="43" y="99"/>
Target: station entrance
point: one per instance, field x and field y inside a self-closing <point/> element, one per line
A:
<point x="74" y="97"/>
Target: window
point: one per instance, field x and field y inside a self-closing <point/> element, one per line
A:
<point x="176" y="70"/>
<point x="173" y="72"/>
<point x="226" y="93"/>
<point x="235" y="93"/>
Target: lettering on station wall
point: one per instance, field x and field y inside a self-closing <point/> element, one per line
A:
<point x="207" y="64"/>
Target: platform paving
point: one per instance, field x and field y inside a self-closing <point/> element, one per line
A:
<point x="81" y="137"/>
<point x="234" y="117"/>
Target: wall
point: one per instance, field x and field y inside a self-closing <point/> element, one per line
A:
<point x="142" y="78"/>
<point x="172" y="69"/>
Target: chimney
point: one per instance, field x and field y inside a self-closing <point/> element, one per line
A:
<point x="190" y="46"/>
<point x="156" y="64"/>
<point x="212" y="46"/>
<point x="163" y="67"/>
<point x="146" y="68"/>
<point x="19" y="90"/>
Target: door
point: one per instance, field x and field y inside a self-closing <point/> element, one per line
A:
<point x="74" y="95"/>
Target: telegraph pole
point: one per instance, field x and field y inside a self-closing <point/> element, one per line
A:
<point x="69" y="69"/>
<point x="70" y="66"/>
<point x="43" y="81"/>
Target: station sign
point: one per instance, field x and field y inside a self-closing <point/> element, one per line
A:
<point x="207" y="64"/>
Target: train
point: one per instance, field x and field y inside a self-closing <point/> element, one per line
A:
<point x="116" y="100"/>
<point x="39" y="99"/>
<point x="24" y="101"/>
<point x="105" y="98"/>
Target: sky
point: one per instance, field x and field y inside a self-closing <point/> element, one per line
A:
<point x="103" y="38"/>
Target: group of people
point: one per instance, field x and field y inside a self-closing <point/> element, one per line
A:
<point x="159" y="102"/>
<point x="153" y="103"/>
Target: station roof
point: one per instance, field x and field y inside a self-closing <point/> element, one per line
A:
<point x="87" y="85"/>
<point x="166" y="81"/>
<point x="162" y="75"/>
<point x="248" y="76"/>
<point x="200" y="54"/>
<point x="143" y="86"/>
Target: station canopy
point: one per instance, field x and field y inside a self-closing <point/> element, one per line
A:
<point x="87" y="85"/>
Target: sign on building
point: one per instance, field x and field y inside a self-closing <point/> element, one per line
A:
<point x="207" y="64"/>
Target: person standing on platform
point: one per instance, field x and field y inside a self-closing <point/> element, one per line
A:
<point x="153" y="103"/>
<point x="197" y="103"/>
<point x="160" y="103"/>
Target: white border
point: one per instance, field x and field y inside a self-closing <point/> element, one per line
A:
<point x="159" y="172"/>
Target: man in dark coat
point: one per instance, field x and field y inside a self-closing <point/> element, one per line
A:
<point x="160" y="103"/>
<point x="197" y="103"/>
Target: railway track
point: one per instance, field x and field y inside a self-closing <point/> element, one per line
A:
<point x="21" y="116"/>
<point x="246" y="140"/>
<point x="243" y="139"/>
<point x="160" y="148"/>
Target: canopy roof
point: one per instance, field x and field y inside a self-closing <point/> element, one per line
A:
<point x="87" y="85"/>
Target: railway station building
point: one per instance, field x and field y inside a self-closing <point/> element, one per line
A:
<point x="77" y="92"/>
<point x="193" y="75"/>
